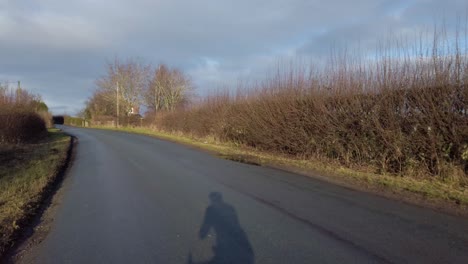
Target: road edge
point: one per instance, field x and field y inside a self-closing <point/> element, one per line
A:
<point x="330" y="175"/>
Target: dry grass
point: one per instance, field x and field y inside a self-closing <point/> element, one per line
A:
<point x="25" y="172"/>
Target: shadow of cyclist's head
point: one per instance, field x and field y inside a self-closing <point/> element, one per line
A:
<point x="215" y="197"/>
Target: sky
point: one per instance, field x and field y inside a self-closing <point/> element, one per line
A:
<point x="59" y="48"/>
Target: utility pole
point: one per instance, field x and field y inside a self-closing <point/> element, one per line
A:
<point x="117" y="104"/>
<point x="18" y="92"/>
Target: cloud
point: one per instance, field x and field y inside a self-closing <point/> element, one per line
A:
<point x="59" y="47"/>
<point x="403" y="20"/>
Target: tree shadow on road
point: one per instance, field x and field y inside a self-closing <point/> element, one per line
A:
<point x="232" y="244"/>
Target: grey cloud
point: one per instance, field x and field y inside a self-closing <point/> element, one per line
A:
<point x="405" y="20"/>
<point x="59" y="47"/>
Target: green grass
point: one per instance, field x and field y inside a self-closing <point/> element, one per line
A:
<point x="25" y="172"/>
<point x="431" y="190"/>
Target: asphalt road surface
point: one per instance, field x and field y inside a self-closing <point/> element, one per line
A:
<point x="136" y="199"/>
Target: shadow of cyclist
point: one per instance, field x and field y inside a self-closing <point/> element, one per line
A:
<point x="232" y="244"/>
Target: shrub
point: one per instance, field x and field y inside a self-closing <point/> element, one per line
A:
<point x="20" y="127"/>
<point x="73" y="121"/>
<point x="397" y="116"/>
<point x="23" y="116"/>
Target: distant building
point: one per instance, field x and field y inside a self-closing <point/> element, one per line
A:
<point x="134" y="110"/>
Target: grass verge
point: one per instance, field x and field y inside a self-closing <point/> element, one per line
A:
<point x="26" y="173"/>
<point x="427" y="192"/>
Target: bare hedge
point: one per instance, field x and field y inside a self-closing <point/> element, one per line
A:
<point x="21" y="126"/>
<point x="393" y="130"/>
<point x="23" y="116"/>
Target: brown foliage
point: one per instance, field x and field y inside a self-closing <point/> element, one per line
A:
<point x="406" y="115"/>
<point x="20" y="126"/>
<point x="21" y="117"/>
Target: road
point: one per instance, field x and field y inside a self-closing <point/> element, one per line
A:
<point x="136" y="199"/>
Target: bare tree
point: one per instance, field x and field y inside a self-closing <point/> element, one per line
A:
<point x="100" y="104"/>
<point x="124" y="84"/>
<point x="167" y="89"/>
